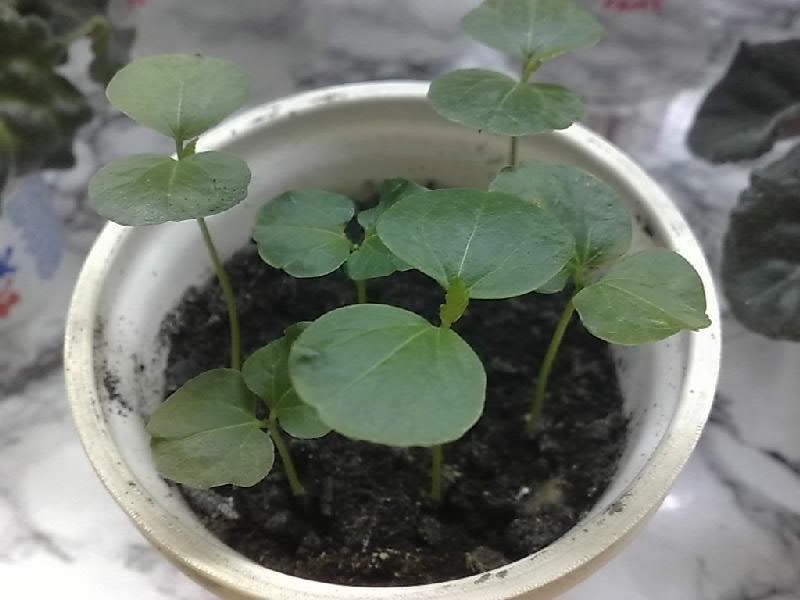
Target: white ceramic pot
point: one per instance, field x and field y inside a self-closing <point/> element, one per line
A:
<point x="338" y="138"/>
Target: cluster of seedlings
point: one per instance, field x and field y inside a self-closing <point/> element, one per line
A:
<point x="376" y="372"/>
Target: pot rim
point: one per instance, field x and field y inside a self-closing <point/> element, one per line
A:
<point x="593" y="537"/>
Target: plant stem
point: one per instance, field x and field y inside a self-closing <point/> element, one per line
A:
<point x="547" y="365"/>
<point x="436" y="472"/>
<point x="528" y="68"/>
<point x="512" y="155"/>
<point x="361" y="290"/>
<point x="227" y="292"/>
<point x="286" y="458"/>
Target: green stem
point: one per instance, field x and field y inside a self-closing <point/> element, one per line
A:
<point x="286" y="458"/>
<point x="227" y="292"/>
<point x="436" y="472"/>
<point x="528" y="68"/>
<point x="512" y="155"/>
<point x="547" y="365"/>
<point x="361" y="290"/>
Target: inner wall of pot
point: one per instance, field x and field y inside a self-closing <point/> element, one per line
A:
<point x="345" y="148"/>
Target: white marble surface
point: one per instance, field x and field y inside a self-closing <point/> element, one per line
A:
<point x="730" y="529"/>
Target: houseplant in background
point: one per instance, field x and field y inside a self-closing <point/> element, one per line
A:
<point x="755" y="105"/>
<point x="40" y="114"/>
<point x="379" y="372"/>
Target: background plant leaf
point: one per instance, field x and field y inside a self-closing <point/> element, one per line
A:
<point x="643" y="298"/>
<point x="207" y="434"/>
<point x="266" y="373"/>
<point x="533" y="29"/>
<point x="761" y="261"/>
<point x="40" y="111"/>
<point x="499" y="245"/>
<point x="493" y="102"/>
<point x="756" y="103"/>
<point x="179" y="95"/>
<point x="585" y="206"/>
<point x="303" y="232"/>
<point x="148" y="189"/>
<point x="383" y="374"/>
<point x="456" y="302"/>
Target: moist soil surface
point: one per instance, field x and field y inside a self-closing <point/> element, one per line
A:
<point x="367" y="519"/>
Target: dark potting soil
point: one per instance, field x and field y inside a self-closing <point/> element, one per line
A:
<point x="368" y="520"/>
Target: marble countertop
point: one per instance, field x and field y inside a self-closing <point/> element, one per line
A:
<point x="730" y="528"/>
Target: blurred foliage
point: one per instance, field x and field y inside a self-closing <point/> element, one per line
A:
<point x="40" y="110"/>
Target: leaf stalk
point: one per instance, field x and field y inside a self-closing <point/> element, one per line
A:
<point x="227" y="292"/>
<point x="286" y="458"/>
<point x="547" y="365"/>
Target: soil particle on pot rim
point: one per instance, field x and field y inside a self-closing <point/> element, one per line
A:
<point x="368" y="520"/>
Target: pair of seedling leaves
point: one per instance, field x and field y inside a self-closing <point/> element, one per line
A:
<point x="755" y="105"/>
<point x="386" y="375"/>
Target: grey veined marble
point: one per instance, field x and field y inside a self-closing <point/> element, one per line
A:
<point x="730" y="528"/>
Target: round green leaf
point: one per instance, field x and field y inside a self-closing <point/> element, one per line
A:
<point x="385" y="375"/>
<point x="302" y="232"/>
<point x="643" y="298"/>
<point x="149" y="189"/>
<point x="584" y="205"/>
<point x="496" y="103"/>
<point x="179" y="95"/>
<point x="266" y="373"/>
<point x="761" y="262"/>
<point x="373" y="259"/>
<point x="499" y="245"/>
<point x="533" y="29"/>
<point x="207" y="434"/>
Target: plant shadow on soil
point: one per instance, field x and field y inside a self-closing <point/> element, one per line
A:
<point x="368" y="520"/>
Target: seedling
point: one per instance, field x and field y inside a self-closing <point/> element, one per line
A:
<point x="194" y="430"/>
<point x="533" y="31"/>
<point x="634" y="299"/>
<point x="303" y="233"/>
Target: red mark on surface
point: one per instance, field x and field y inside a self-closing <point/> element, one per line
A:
<point x="631" y="5"/>
<point x="8" y="298"/>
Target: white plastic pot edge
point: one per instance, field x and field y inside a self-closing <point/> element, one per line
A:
<point x="542" y="575"/>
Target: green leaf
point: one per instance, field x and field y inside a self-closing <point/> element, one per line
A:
<point x="179" y="95"/>
<point x="390" y="192"/>
<point x="302" y="232"/>
<point x="148" y="189"/>
<point x="584" y="205"/>
<point x="643" y="298"/>
<point x="266" y="373"/>
<point x="533" y="29"/>
<point x="372" y="258"/>
<point x="496" y="103"/>
<point x="207" y="434"/>
<point x="761" y="261"/>
<point x="499" y="245"/>
<point x="755" y="104"/>
<point x="456" y="302"/>
<point x="385" y="375"/>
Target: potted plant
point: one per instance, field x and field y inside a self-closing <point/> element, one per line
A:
<point x="369" y="382"/>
